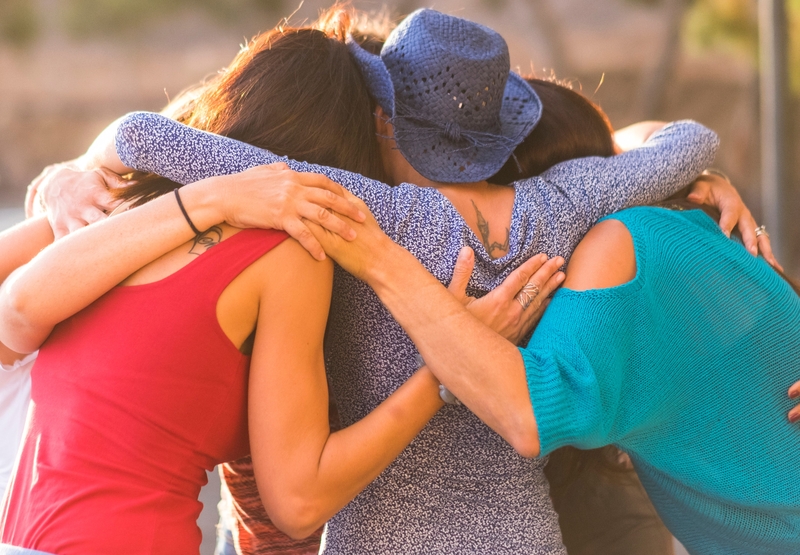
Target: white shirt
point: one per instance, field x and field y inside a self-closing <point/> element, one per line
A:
<point x="15" y="396"/>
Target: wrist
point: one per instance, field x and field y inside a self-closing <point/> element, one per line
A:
<point x="204" y="202"/>
<point x="389" y="261"/>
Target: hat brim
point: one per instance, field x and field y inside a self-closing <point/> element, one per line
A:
<point x="377" y="77"/>
<point x="441" y="159"/>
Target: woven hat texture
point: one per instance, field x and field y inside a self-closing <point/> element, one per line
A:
<point x="458" y="111"/>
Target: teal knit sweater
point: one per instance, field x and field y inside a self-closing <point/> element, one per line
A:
<point x="685" y="368"/>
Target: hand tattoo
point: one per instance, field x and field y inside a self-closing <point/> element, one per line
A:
<point x="483" y="227"/>
<point x="209" y="238"/>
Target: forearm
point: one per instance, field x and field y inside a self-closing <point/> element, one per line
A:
<point x="352" y="458"/>
<point x="670" y="160"/>
<point x="72" y="273"/>
<point x="21" y="243"/>
<point x="480" y="367"/>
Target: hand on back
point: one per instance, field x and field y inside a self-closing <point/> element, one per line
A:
<point x="502" y="309"/>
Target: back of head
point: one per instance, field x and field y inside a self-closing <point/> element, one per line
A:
<point x="571" y="126"/>
<point x="293" y="91"/>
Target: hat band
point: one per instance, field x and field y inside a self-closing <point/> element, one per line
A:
<point x="424" y="127"/>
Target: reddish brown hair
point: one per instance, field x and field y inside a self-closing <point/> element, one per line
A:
<point x="293" y="91"/>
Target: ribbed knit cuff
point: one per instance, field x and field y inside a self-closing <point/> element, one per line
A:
<point x="567" y="413"/>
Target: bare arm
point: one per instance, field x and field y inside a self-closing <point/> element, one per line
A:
<point x="18" y="246"/>
<point x="305" y="474"/>
<point x="72" y="273"/>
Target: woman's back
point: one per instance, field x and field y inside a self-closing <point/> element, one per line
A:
<point x="685" y="367"/>
<point x="134" y="398"/>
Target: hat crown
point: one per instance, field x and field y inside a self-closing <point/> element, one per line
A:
<point x="447" y="70"/>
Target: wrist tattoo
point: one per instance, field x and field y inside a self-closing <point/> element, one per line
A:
<point x="205" y="240"/>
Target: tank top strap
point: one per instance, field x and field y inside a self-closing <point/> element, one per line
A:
<point x="219" y="266"/>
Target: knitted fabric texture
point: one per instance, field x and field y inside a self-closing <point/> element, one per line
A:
<point x="458" y="488"/>
<point x="685" y="368"/>
<point x="457" y="109"/>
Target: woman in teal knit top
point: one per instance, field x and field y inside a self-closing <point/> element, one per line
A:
<point x="667" y="340"/>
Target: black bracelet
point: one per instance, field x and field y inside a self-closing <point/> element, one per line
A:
<point x="186" y="214"/>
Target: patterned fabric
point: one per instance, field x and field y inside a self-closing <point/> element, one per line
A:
<point x="458" y="488"/>
<point x="254" y="532"/>
<point x="685" y="368"/>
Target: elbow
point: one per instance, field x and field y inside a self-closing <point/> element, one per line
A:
<point x="132" y="132"/>
<point x="15" y="325"/>
<point x="297" y="518"/>
<point x="526" y="445"/>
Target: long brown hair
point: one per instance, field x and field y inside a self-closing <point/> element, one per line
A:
<point x="293" y="91"/>
<point x="571" y="126"/>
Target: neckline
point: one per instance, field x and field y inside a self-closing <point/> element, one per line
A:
<point x="513" y="228"/>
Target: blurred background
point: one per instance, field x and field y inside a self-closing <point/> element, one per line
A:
<point x="69" y="67"/>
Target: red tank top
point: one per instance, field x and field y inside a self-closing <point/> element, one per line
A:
<point x="133" y="399"/>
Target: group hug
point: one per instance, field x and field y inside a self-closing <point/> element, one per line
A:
<point x="409" y="302"/>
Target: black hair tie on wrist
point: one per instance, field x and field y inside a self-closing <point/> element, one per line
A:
<point x="186" y="214"/>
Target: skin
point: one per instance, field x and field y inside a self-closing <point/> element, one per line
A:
<point x="481" y="368"/>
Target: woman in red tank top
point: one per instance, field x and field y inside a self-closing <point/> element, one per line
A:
<point x="121" y="430"/>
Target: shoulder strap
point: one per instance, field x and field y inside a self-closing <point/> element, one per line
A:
<point x="216" y="268"/>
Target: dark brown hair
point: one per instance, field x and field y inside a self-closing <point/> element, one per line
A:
<point x="571" y="126"/>
<point x="293" y="91"/>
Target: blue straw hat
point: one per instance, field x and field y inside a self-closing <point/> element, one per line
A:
<point x="458" y="111"/>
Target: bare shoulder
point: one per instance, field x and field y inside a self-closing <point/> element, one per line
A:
<point x="604" y="258"/>
<point x="291" y="267"/>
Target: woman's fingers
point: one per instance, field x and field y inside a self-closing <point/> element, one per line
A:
<point x="300" y="232"/>
<point x="330" y="195"/>
<point x="747" y="228"/>
<point x="765" y="248"/>
<point x="517" y="279"/>
<point x="794" y="393"/>
<point x="462" y="274"/>
<point x="328" y="200"/>
<point x="547" y="277"/>
<point x="327" y="219"/>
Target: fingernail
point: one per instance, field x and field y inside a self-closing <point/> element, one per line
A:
<point x="560" y="277"/>
<point x="794" y="417"/>
<point x="794" y="394"/>
<point x="753" y="251"/>
<point x="352" y="235"/>
<point x="362" y="216"/>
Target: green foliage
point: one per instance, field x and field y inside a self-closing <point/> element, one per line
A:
<point x="730" y="25"/>
<point x="89" y="17"/>
<point x="19" y="23"/>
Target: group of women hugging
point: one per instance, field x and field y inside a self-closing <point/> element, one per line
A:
<point x="379" y="280"/>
